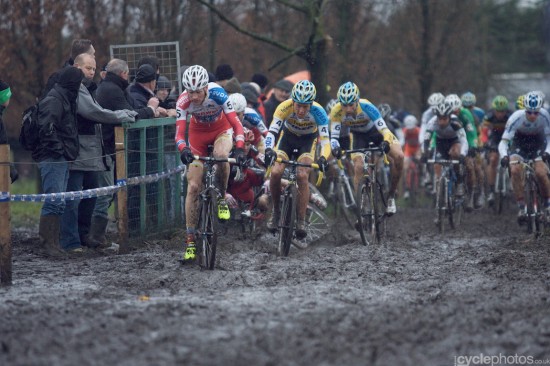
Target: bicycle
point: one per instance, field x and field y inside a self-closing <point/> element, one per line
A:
<point x="207" y="226"/>
<point x="370" y="199"/>
<point x="342" y="194"/>
<point x="536" y="218"/>
<point x="447" y="204"/>
<point x="289" y="197"/>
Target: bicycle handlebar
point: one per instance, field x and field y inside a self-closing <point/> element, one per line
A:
<point x="363" y="150"/>
<point x="216" y="160"/>
<point x="297" y="163"/>
<point x="442" y="161"/>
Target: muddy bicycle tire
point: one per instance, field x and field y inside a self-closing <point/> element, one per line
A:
<point x="287" y="220"/>
<point x="365" y="212"/>
<point x="208" y="230"/>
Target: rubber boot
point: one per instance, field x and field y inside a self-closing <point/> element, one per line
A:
<point x="48" y="231"/>
<point x="96" y="237"/>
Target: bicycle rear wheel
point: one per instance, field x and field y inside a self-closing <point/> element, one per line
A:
<point x="287" y="220"/>
<point x="341" y="205"/>
<point x="531" y="208"/>
<point x="379" y="207"/>
<point x="208" y="230"/>
<point x="317" y="226"/>
<point x="365" y="212"/>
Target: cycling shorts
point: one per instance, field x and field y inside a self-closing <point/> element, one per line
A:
<point x="528" y="147"/>
<point x="443" y="146"/>
<point x="199" y="140"/>
<point x="411" y="151"/>
<point x="289" y="142"/>
<point x="360" y="140"/>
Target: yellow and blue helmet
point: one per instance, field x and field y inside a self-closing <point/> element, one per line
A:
<point x="303" y="92"/>
<point x="348" y="93"/>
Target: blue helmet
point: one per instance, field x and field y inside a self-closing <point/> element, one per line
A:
<point x="468" y="99"/>
<point x="348" y="93"/>
<point x="533" y="101"/>
<point x="303" y="92"/>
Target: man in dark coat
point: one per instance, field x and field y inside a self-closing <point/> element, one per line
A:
<point x="111" y="95"/>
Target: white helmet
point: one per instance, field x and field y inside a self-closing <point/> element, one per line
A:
<point x="435" y="99"/>
<point x="444" y="109"/>
<point x="194" y="78"/>
<point x="454" y="100"/>
<point x="239" y="102"/>
<point x="533" y="101"/>
<point x="410" y="121"/>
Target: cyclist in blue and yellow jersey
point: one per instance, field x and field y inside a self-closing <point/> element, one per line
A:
<point x="492" y="129"/>
<point x="297" y="122"/>
<point x="526" y="136"/>
<point x="355" y="123"/>
<point x="475" y="177"/>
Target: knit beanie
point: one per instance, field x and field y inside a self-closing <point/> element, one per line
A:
<point x="224" y="72"/>
<point x="145" y="74"/>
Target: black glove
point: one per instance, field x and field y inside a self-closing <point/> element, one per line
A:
<point x="187" y="156"/>
<point x="546" y="157"/>
<point x="505" y="162"/>
<point x="270" y="157"/>
<point x="385" y="146"/>
<point x="337" y="152"/>
<point x="238" y="154"/>
<point x="323" y="164"/>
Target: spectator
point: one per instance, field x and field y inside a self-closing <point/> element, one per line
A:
<point x="77" y="217"/>
<point x="5" y="95"/>
<point x="111" y="95"/>
<point x="153" y="61"/>
<point x="164" y="87"/>
<point x="281" y="92"/>
<point x="226" y="79"/>
<point x="261" y="81"/>
<point x="141" y="93"/>
<point x="78" y="46"/>
<point x="57" y="146"/>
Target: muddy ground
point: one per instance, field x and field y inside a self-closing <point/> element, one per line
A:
<point x="423" y="299"/>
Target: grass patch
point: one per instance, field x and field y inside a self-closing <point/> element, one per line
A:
<point x="25" y="214"/>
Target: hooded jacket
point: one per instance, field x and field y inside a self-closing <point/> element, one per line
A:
<point x="58" y="134"/>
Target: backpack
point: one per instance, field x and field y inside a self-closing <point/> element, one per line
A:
<point x="28" y="137"/>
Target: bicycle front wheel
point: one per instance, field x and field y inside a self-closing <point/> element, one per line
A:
<point x="441" y="204"/>
<point x="366" y="222"/>
<point x="208" y="227"/>
<point x="287" y="220"/>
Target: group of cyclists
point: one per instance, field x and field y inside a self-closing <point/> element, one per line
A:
<point x="452" y="127"/>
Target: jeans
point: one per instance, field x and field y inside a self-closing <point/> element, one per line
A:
<point x="76" y="220"/>
<point x="105" y="179"/>
<point x="55" y="174"/>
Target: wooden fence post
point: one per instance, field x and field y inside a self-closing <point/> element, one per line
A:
<point x="5" y="218"/>
<point x="122" y="196"/>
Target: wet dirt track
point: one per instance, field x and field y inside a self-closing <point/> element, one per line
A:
<point x="421" y="300"/>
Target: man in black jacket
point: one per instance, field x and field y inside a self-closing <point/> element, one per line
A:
<point x="111" y="95"/>
<point x="57" y="146"/>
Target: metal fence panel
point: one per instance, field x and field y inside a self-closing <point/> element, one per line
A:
<point x="168" y="54"/>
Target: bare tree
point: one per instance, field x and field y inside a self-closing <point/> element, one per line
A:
<point x="313" y="50"/>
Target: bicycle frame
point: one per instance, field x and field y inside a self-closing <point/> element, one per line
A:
<point x="445" y="200"/>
